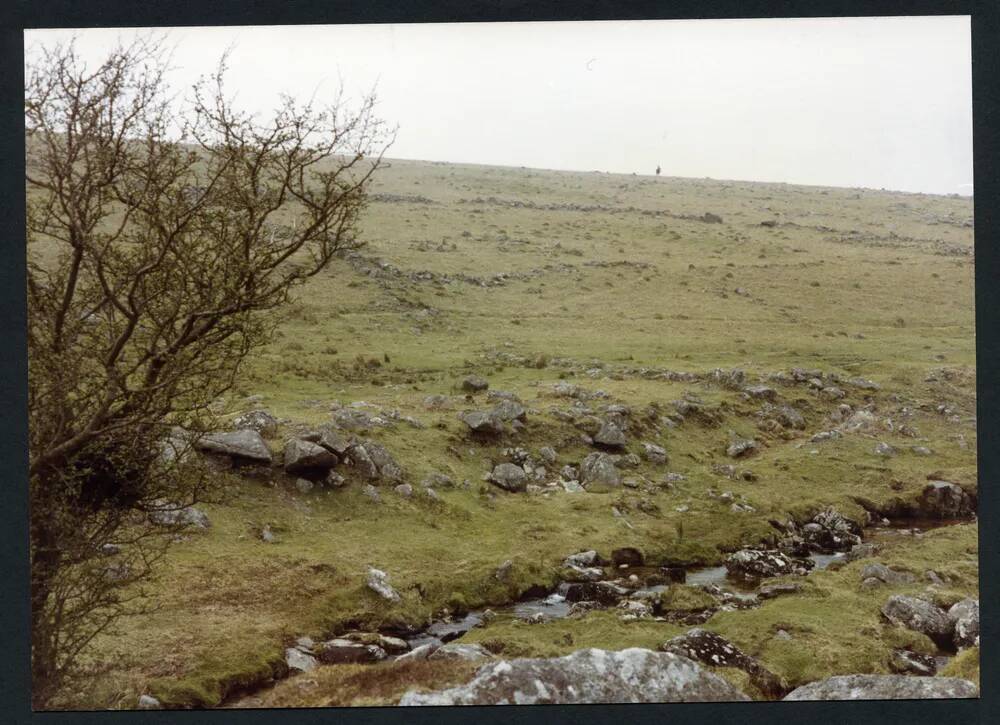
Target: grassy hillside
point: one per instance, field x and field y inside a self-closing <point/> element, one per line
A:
<point x="609" y="282"/>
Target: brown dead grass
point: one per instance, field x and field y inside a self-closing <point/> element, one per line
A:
<point x="361" y="685"/>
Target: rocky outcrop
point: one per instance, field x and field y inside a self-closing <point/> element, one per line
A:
<point x="240" y="444"/>
<point x="884" y="687"/>
<point x="587" y="676"/>
<point x="305" y="457"/>
<point x="920" y="616"/>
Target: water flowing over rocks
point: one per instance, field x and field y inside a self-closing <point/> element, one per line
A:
<point x="587" y="676"/>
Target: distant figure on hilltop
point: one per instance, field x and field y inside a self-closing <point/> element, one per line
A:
<point x="657" y="169"/>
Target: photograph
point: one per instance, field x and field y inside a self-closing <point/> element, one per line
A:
<point x="501" y="363"/>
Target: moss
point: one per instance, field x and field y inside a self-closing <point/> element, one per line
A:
<point x="964" y="665"/>
<point x="684" y="598"/>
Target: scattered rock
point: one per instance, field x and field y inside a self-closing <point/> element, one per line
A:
<point x="148" y="702"/>
<point x="475" y="384"/>
<point x="509" y="476"/>
<point x="741" y="447"/>
<point x="884" y="450"/>
<point x="586" y="676"/>
<point x="904" y="662"/>
<point x="654" y="453"/>
<point x="378" y="582"/>
<point x="404" y="489"/>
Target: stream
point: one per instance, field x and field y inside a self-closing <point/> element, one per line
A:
<point x="554" y="605"/>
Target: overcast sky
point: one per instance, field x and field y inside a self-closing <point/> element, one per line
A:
<point x="874" y="102"/>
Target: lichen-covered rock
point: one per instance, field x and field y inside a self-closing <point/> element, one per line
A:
<point x="598" y="471"/>
<point x="920" y="616"/>
<point x="586" y="676"/>
<point x="884" y="687"/>
<point x="246" y="444"/>
<point x="964" y="616"/>
<point x="759" y="564"/>
<point x="716" y="651"/>
<point x="378" y="582"/>
<point x="654" y="453"/>
<point x="259" y="420"/>
<point x="300" y="661"/>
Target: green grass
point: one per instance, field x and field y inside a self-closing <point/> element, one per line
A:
<point x="821" y="296"/>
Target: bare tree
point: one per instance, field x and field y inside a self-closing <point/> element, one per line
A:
<point x="157" y="242"/>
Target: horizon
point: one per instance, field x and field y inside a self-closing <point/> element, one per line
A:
<point x="841" y="102"/>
